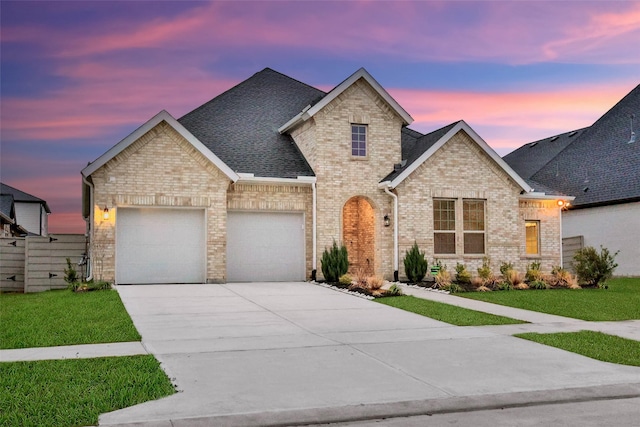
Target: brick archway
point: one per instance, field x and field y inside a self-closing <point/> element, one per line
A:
<point x="358" y="234"/>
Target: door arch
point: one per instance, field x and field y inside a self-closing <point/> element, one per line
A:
<point x="358" y="234"/>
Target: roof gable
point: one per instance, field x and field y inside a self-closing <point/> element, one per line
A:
<point x="241" y="125"/>
<point x="311" y="109"/>
<point x="600" y="166"/>
<point x="20" y="196"/>
<point x="150" y="124"/>
<point x="427" y="145"/>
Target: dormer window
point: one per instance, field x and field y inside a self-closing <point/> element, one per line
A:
<point x="359" y="140"/>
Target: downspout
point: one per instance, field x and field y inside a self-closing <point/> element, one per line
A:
<point x="560" y="221"/>
<point x="314" y="265"/>
<point x="395" y="231"/>
<point x="89" y="229"/>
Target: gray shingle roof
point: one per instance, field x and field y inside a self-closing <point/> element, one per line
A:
<point x="241" y="125"/>
<point x="7" y="206"/>
<point x="600" y="166"/>
<point x="531" y="157"/>
<point x="21" y="196"/>
<point x="414" y="144"/>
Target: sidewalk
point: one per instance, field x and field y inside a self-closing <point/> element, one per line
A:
<point x="84" y="351"/>
<point x="538" y="322"/>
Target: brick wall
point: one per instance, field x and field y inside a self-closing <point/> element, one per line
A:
<point x="326" y="141"/>
<point x="461" y="170"/>
<point x="160" y="169"/>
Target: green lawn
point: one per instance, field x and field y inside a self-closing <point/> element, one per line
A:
<point x="620" y="302"/>
<point x="62" y="317"/>
<point x="608" y="348"/>
<point x="446" y="313"/>
<point x="74" y="392"/>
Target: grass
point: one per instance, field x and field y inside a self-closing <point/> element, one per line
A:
<point x="620" y="302"/>
<point x="446" y="313"/>
<point x="608" y="348"/>
<point x="62" y="317"/>
<point x="74" y="392"/>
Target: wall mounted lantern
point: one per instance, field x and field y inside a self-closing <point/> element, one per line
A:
<point x="105" y="213"/>
<point x="387" y="220"/>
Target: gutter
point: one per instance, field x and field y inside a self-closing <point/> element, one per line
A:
<point x="89" y="228"/>
<point x="387" y="186"/>
<point x="314" y="264"/>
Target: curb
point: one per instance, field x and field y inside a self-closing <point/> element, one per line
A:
<point x="370" y="412"/>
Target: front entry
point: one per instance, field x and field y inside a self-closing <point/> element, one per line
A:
<point x="358" y="232"/>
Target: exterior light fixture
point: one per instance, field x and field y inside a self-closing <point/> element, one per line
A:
<point x="387" y="220"/>
<point x="105" y="213"/>
<point x="560" y="203"/>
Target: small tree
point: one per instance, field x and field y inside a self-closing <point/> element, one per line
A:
<point x="593" y="268"/>
<point x="335" y="262"/>
<point x="462" y="274"/>
<point x="415" y="264"/>
<point x="71" y="276"/>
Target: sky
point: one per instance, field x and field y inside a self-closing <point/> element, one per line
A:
<point x="76" y="77"/>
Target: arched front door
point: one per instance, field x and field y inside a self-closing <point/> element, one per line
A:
<point x="358" y="233"/>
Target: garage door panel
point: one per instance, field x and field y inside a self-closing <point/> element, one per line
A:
<point x="265" y="246"/>
<point x="160" y="245"/>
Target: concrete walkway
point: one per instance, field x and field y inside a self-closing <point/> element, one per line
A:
<point x="294" y="353"/>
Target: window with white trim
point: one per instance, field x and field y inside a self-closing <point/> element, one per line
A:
<point x="532" y="237"/>
<point x="444" y="226"/>
<point x="359" y="140"/>
<point x="473" y="225"/>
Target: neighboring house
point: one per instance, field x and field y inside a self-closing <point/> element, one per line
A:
<point x="30" y="213"/>
<point x="256" y="183"/>
<point x="600" y="166"/>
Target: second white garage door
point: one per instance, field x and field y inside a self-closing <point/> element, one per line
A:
<point x="265" y="246"/>
<point x="157" y="245"/>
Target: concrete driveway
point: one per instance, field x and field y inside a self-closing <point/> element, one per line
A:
<point x="278" y="353"/>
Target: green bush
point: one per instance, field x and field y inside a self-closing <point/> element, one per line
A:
<point x="71" y="276"/>
<point x="345" y="280"/>
<point x="505" y="267"/>
<point x="453" y="288"/>
<point x="485" y="271"/>
<point x="462" y="274"/>
<point x="537" y="284"/>
<point x="394" y="290"/>
<point x="335" y="262"/>
<point x="593" y="268"/>
<point x="533" y="272"/>
<point x="415" y="264"/>
<point x="504" y="286"/>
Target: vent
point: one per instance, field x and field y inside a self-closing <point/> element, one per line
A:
<point x="554" y="138"/>
<point x="533" y="144"/>
<point x="573" y="133"/>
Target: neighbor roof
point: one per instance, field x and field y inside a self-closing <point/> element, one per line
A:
<point x="7" y="209"/>
<point x="599" y="166"/>
<point x="21" y="196"/>
<point x="241" y="125"/>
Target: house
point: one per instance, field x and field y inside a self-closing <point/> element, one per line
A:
<point x="256" y="183"/>
<point x="600" y="166"/>
<point x="25" y="213"/>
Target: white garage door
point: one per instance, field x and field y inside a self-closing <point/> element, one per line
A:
<point x="265" y="246"/>
<point x="160" y="245"/>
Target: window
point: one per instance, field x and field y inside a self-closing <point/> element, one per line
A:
<point x="359" y="140"/>
<point x="473" y="225"/>
<point x="444" y="226"/>
<point x="532" y="237"/>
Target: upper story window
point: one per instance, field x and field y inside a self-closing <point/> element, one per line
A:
<point x="359" y="140"/>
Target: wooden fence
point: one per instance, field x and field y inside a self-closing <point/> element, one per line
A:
<point x="38" y="263"/>
<point x="570" y="245"/>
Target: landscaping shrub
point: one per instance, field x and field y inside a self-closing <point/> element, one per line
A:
<point x="443" y="278"/>
<point x="505" y="267"/>
<point x="345" y="279"/>
<point x="521" y="286"/>
<point x="593" y="268"/>
<point x="485" y="271"/>
<point x="394" y="290"/>
<point x="374" y="283"/>
<point x="462" y="274"/>
<point x="537" y="284"/>
<point x="504" y="286"/>
<point x="561" y="278"/>
<point x="71" y="276"/>
<point x="415" y="264"/>
<point x="477" y="282"/>
<point x="533" y="272"/>
<point x="334" y="262"/>
<point x="452" y="287"/>
<point x="513" y="277"/>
